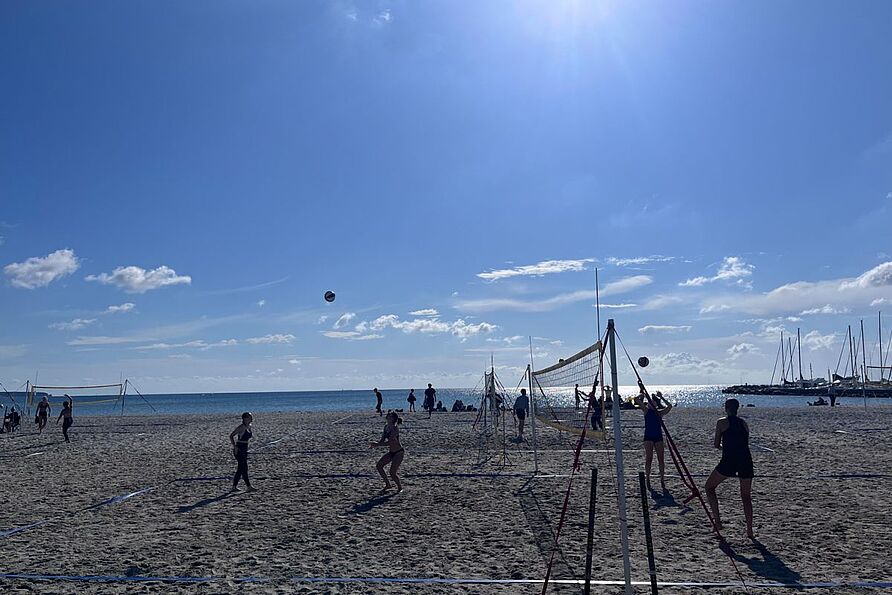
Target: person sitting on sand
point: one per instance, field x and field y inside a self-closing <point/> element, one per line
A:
<point x="653" y="433"/>
<point x="732" y="435"/>
<point x="239" y="438"/>
<point x="395" y="451"/>
<point x="411" y="398"/>
<point x="43" y="413"/>
<point x="521" y="408"/>
<point x="66" y="413"/>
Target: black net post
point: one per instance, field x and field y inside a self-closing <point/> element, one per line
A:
<point x="590" y="544"/>
<point x="651" y="565"/>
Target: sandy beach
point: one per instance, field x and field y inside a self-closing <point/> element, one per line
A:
<point x="821" y="498"/>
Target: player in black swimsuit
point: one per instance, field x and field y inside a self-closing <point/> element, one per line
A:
<point x="239" y="438"/>
<point x="66" y="416"/>
<point x="732" y="436"/>
<point x="395" y="452"/>
<point x="43" y="413"/>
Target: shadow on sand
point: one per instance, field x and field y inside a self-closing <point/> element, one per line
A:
<point x="665" y="499"/>
<point x="769" y="566"/>
<point x="371" y="503"/>
<point x="206" y="502"/>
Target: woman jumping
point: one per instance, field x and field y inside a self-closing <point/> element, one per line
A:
<point x="395" y="452"/>
<point x="239" y="438"/>
<point x="653" y="433"/>
<point x="732" y="435"/>
<point x="66" y="413"/>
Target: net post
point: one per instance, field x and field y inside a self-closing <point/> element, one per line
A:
<point x="618" y="449"/>
<point x="533" y="413"/>
<point x="648" y="538"/>
<point x="589" y="545"/>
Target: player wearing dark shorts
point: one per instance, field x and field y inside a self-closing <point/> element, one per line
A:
<point x="66" y="416"/>
<point x="732" y="436"/>
<point x="653" y="433"/>
<point x="521" y="407"/>
<point x="43" y="413"/>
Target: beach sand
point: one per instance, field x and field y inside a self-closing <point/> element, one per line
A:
<point x="822" y="499"/>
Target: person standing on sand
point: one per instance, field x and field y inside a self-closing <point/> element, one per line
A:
<point x="239" y="438"/>
<point x="379" y="400"/>
<point x="521" y="408"/>
<point x="430" y="399"/>
<point x="411" y="398"/>
<point x="578" y="399"/>
<point x="43" y="414"/>
<point x="653" y="433"/>
<point x="395" y="451"/>
<point x="732" y="435"/>
<point x="66" y="413"/>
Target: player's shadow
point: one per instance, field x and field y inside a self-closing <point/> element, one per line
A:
<point x="206" y="502"/>
<point x="665" y="499"/>
<point x="361" y="507"/>
<point x="768" y="565"/>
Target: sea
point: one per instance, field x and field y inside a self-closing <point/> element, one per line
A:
<point x="359" y="400"/>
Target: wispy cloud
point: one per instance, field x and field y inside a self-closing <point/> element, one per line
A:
<point x="41" y="271"/>
<point x="733" y="268"/>
<point x="271" y="339"/>
<point x="261" y="303"/>
<point x="13" y="350"/>
<point x="826" y="309"/>
<point x="160" y="333"/>
<point x="123" y="308"/>
<point x="425" y="312"/>
<point x="740" y="349"/>
<point x="641" y="260"/>
<point x="546" y="267"/>
<point x="651" y="329"/>
<point x="134" y="279"/>
<point x="352" y="335"/>
<point x="73" y="325"/>
<point x="246" y="287"/>
<point x="344" y="320"/>
<point x="197" y="344"/>
<point x="816" y="341"/>
<point x="802" y="296"/>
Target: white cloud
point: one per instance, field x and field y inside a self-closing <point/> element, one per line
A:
<point x="261" y="303"/>
<point x="294" y="362"/>
<point x="806" y="295"/>
<point x="546" y="267"/>
<point x="618" y="306"/>
<point x="126" y="307"/>
<point x="351" y="335"/>
<point x="425" y="312"/>
<point x="74" y="325"/>
<point x="197" y="344"/>
<point x="733" y="268"/>
<point x="815" y="341"/>
<point x="684" y="363"/>
<point x="639" y="260"/>
<point x="133" y="279"/>
<point x="39" y="272"/>
<point x="880" y="302"/>
<point x="741" y="349"/>
<point x="271" y="339"/>
<point x="661" y="328"/>
<point x="543" y="305"/>
<point x="322" y="319"/>
<point x="827" y="309"/>
<point x="458" y="328"/>
<point x="878" y="276"/>
<point x="344" y="320"/>
<point x="383" y="18"/>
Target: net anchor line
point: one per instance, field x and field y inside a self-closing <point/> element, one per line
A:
<point x="684" y="473"/>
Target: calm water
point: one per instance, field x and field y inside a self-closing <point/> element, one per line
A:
<point x="353" y="400"/>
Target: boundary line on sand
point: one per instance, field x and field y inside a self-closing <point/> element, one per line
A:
<point x="436" y="581"/>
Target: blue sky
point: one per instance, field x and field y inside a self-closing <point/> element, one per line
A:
<point x="181" y="181"/>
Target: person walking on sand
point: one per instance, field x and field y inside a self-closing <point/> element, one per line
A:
<point x="239" y="438"/>
<point x="653" y="433"/>
<point x="66" y="416"/>
<point x="411" y="398"/>
<point x="732" y="435"/>
<point x="395" y="451"/>
<point x="43" y="414"/>
<point x="521" y="408"/>
<point x="379" y="400"/>
<point x="430" y="399"/>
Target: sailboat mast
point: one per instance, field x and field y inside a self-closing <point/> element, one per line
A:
<point x="799" y="344"/>
<point x="783" y="360"/>
<point x="790" y="349"/>
<point x="851" y="351"/>
<point x="863" y="367"/>
<point x="880" y="335"/>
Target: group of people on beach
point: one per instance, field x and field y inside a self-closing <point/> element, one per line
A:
<point x="731" y="437"/>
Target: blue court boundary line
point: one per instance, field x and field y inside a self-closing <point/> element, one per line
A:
<point x="433" y="581"/>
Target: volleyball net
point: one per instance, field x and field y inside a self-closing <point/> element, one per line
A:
<point x="95" y="395"/>
<point x="564" y="391"/>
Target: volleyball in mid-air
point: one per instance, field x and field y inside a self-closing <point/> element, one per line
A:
<point x="643" y="361"/>
<point x="329" y="296"/>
